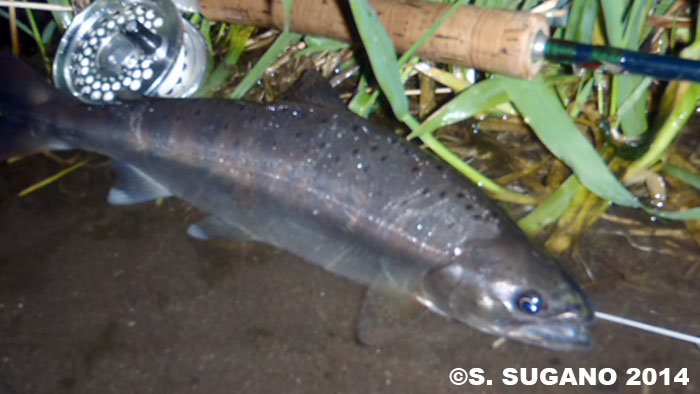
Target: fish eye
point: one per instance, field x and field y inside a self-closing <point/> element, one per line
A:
<point x="530" y="302"/>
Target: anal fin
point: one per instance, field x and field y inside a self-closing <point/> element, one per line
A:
<point x="134" y="186"/>
<point x="213" y="227"/>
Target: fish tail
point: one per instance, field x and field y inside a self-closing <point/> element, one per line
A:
<point x="22" y="93"/>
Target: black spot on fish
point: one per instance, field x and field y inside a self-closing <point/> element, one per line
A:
<point x="322" y="145"/>
<point x="460" y="195"/>
<point x="297" y="135"/>
<point x="337" y="159"/>
<point x="355" y="128"/>
<point x="382" y="159"/>
<point x="355" y="151"/>
<point x="425" y="191"/>
<point x="439" y="167"/>
<point x="197" y="112"/>
<point x="477" y="217"/>
<point x="414" y="170"/>
<point x="178" y="118"/>
<point x="365" y="168"/>
<point x="404" y="202"/>
<point x="374" y="148"/>
<point x="443" y="194"/>
<point x="324" y="121"/>
<point x="468" y="207"/>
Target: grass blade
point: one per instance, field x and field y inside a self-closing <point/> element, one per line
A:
<point x="686" y="176"/>
<point x="544" y="113"/>
<point x="685" y="97"/>
<point x="316" y="44"/>
<point x="613" y="12"/>
<point x="478" y="98"/>
<point x="631" y="101"/>
<point x="582" y="19"/>
<point x="20" y="25"/>
<point x="272" y="53"/>
<point x="47" y="34"/>
<point x="552" y="208"/>
<point x="382" y="56"/>
<point x="497" y="191"/>
<point x="239" y="37"/>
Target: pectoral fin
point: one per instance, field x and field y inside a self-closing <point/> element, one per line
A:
<point x="134" y="186"/>
<point x="387" y="313"/>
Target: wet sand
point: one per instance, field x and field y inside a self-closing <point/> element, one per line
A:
<point x="103" y="299"/>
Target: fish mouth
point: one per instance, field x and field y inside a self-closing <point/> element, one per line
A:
<point x="561" y="336"/>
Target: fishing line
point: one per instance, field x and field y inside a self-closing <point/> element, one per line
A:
<point x="648" y="327"/>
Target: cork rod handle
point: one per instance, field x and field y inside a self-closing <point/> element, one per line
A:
<point x="488" y="39"/>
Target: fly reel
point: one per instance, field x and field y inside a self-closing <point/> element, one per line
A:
<point x="115" y="48"/>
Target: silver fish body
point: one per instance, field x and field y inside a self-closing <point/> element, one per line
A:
<point x="312" y="178"/>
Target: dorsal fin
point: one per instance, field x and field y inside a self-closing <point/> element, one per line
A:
<point x="313" y="89"/>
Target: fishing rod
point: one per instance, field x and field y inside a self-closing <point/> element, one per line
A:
<point x="617" y="60"/>
<point x="496" y="40"/>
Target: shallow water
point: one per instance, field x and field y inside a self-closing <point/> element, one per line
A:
<point x="101" y="299"/>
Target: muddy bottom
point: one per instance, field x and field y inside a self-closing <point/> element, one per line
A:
<point x="102" y="299"/>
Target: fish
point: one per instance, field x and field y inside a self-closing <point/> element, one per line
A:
<point x="306" y="175"/>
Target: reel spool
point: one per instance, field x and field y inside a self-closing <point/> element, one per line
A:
<point x="116" y="48"/>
